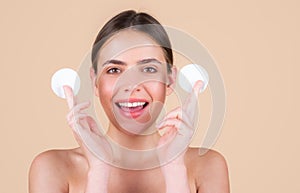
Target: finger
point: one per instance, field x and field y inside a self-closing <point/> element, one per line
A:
<point x="93" y="126"/>
<point x="179" y="126"/>
<point x="167" y="136"/>
<point x="84" y="122"/>
<point x="75" y="118"/>
<point x="192" y="100"/>
<point x="179" y="115"/>
<point x="171" y="122"/>
<point x="173" y="113"/>
<point x="79" y="107"/>
<point x="197" y="87"/>
<point x="69" y="96"/>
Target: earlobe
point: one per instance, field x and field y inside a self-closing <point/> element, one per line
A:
<point x="93" y="76"/>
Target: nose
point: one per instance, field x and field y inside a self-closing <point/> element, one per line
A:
<point x="132" y="88"/>
<point x="131" y="81"/>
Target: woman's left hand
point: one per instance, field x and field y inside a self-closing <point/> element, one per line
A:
<point x="179" y="125"/>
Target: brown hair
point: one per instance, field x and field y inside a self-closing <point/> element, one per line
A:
<point x="142" y="22"/>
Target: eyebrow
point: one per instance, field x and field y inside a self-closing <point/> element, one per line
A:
<point x="113" y="61"/>
<point x="143" y="61"/>
<point x="149" y="60"/>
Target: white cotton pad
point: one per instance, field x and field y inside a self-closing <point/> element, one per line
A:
<point x="65" y="76"/>
<point x="191" y="73"/>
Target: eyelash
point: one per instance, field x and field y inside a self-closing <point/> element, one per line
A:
<point x="113" y="71"/>
<point x="146" y="69"/>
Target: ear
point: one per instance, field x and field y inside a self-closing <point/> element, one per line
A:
<point x="93" y="77"/>
<point x="171" y="83"/>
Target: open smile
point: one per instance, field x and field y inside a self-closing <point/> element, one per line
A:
<point x="132" y="108"/>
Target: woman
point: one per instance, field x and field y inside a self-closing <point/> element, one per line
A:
<point x="132" y="74"/>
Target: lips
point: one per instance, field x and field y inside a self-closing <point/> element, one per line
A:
<point x="132" y="108"/>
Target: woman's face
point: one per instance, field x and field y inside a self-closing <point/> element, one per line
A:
<point x="132" y="81"/>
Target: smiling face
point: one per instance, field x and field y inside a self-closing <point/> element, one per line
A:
<point x="132" y="81"/>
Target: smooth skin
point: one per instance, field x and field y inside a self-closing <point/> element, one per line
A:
<point x="78" y="170"/>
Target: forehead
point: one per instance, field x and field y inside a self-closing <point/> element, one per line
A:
<point x="132" y="44"/>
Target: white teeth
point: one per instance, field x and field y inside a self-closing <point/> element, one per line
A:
<point x="134" y="104"/>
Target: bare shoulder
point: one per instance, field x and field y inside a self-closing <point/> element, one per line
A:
<point x="209" y="169"/>
<point x="199" y="157"/>
<point x="53" y="170"/>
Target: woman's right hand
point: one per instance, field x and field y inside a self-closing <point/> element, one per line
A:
<point x="85" y="127"/>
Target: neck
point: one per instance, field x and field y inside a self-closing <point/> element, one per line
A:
<point x="133" y="141"/>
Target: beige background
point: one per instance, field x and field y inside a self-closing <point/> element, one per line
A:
<point x="255" y="42"/>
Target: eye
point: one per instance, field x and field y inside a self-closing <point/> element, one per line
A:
<point x="113" y="71"/>
<point x="149" y="69"/>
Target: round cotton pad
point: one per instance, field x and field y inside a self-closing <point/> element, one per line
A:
<point x="191" y="73"/>
<point x="65" y="76"/>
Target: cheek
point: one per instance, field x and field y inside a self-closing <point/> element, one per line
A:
<point x="105" y="89"/>
<point x="157" y="90"/>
